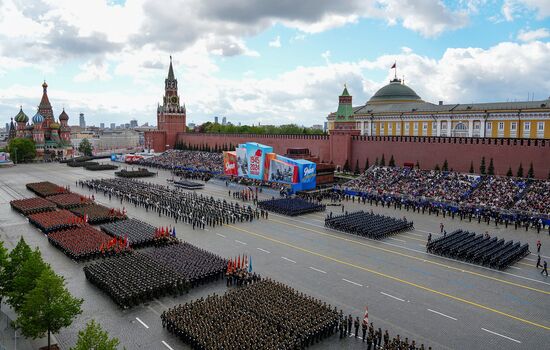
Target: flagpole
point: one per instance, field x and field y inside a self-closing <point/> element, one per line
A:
<point x="395" y="70"/>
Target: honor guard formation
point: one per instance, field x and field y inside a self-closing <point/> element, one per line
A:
<point x="138" y="233"/>
<point x="368" y="225"/>
<point x="291" y="206"/>
<point x="261" y="315"/>
<point x="189" y="207"/>
<point x="478" y="249"/>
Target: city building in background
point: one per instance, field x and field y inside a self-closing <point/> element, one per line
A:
<point x="133" y="123"/>
<point x="102" y="125"/>
<point x="82" y="121"/>
<point x="224" y="121"/>
<point x="113" y="126"/>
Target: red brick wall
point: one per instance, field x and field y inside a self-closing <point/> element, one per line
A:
<point x="318" y="144"/>
<point x="459" y="152"/>
<point x="156" y="140"/>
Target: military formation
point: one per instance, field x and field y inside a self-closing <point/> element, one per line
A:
<point x="367" y="224"/>
<point x="139" y="233"/>
<point x="195" y="265"/>
<point x="291" y="206"/>
<point x="29" y="206"/>
<point x="478" y="249"/>
<point x="262" y="315"/>
<point x="188" y="207"/>
<point x="134" y="278"/>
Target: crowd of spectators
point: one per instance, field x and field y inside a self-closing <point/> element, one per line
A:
<point x="466" y="192"/>
<point x="190" y="160"/>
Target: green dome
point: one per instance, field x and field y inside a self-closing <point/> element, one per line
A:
<point x="54" y="125"/>
<point x="21" y="117"/>
<point x="395" y="92"/>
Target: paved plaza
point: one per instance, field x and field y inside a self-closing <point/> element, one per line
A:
<point x="440" y="302"/>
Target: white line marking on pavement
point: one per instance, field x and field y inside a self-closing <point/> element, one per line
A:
<point x="153" y="310"/>
<point x="243" y="243"/>
<point x="422" y="245"/>
<point x="263" y="250"/>
<point x="442" y="314"/>
<point x="143" y="323"/>
<point x="287" y="259"/>
<point x="433" y="233"/>
<point x="314" y="269"/>
<point x="398" y="240"/>
<point x="168" y="346"/>
<point x="529" y="259"/>
<point x="514" y="267"/>
<point x="357" y="284"/>
<point x="500" y="335"/>
<point x="391" y="296"/>
<point x="542" y="256"/>
<point x="415" y="234"/>
<point x="219" y="234"/>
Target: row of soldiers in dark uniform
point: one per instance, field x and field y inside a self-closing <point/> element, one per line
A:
<point x="374" y="338"/>
<point x="263" y="315"/>
<point x="486" y="215"/>
<point x="197" y="210"/>
<point x="241" y="277"/>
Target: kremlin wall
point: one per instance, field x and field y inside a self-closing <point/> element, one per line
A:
<point x="395" y="122"/>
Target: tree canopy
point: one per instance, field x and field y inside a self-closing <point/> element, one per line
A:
<point x="85" y="147"/>
<point x="94" y="337"/>
<point x="48" y="307"/>
<point x="21" y="149"/>
<point x="3" y="264"/>
<point x="26" y="278"/>
<point x="210" y="127"/>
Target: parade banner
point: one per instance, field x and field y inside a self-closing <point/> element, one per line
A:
<point x="267" y="164"/>
<point x="230" y="163"/>
<point x="242" y="162"/>
<point x="255" y="153"/>
<point x="280" y="171"/>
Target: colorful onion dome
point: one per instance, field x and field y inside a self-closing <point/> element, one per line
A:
<point x="38" y="118"/>
<point x="21" y="117"/>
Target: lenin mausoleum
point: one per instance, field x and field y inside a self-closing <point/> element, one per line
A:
<point x="396" y="122"/>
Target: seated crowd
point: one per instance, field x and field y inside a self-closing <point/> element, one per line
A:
<point x="192" y="160"/>
<point x="491" y="193"/>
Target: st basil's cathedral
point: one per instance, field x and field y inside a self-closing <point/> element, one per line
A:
<point x="52" y="139"/>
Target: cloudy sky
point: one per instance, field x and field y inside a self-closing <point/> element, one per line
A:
<point x="272" y="62"/>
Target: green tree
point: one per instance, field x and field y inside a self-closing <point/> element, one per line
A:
<point x="445" y="166"/>
<point x="437" y="167"/>
<point x="509" y="173"/>
<point x="382" y="160"/>
<point x="346" y="166"/>
<point x="392" y="161"/>
<point x="491" y="168"/>
<point x="376" y="162"/>
<point x="4" y="260"/>
<point x="471" y="171"/>
<point x="482" y="169"/>
<point x="357" y="169"/>
<point x="520" y="171"/>
<point x="417" y="165"/>
<point x="22" y="149"/>
<point x="85" y="147"/>
<point x="26" y="278"/>
<point x="48" y="307"/>
<point x="17" y="257"/>
<point x="367" y="165"/>
<point x="94" y="337"/>
<point x="531" y="171"/>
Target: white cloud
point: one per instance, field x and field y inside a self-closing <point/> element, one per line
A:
<point x="326" y="56"/>
<point x="516" y="8"/>
<point x="542" y="7"/>
<point x="275" y="42"/>
<point x="530" y="35"/>
<point x="93" y="71"/>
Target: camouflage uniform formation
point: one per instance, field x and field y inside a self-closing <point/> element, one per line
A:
<point x="262" y="315"/>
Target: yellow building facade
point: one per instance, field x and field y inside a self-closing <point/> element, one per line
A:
<point x="396" y="110"/>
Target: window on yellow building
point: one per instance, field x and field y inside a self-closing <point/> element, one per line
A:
<point x="540" y="126"/>
<point x="434" y="125"/>
<point x="415" y="126"/>
<point x="501" y="126"/>
<point x="513" y="126"/>
<point x="526" y="126"/>
<point x="488" y="125"/>
<point x="424" y="126"/>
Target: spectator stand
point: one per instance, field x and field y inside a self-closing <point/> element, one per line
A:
<point x="33" y="205"/>
<point x="291" y="206"/>
<point x="368" y="225"/>
<point x="479" y="249"/>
